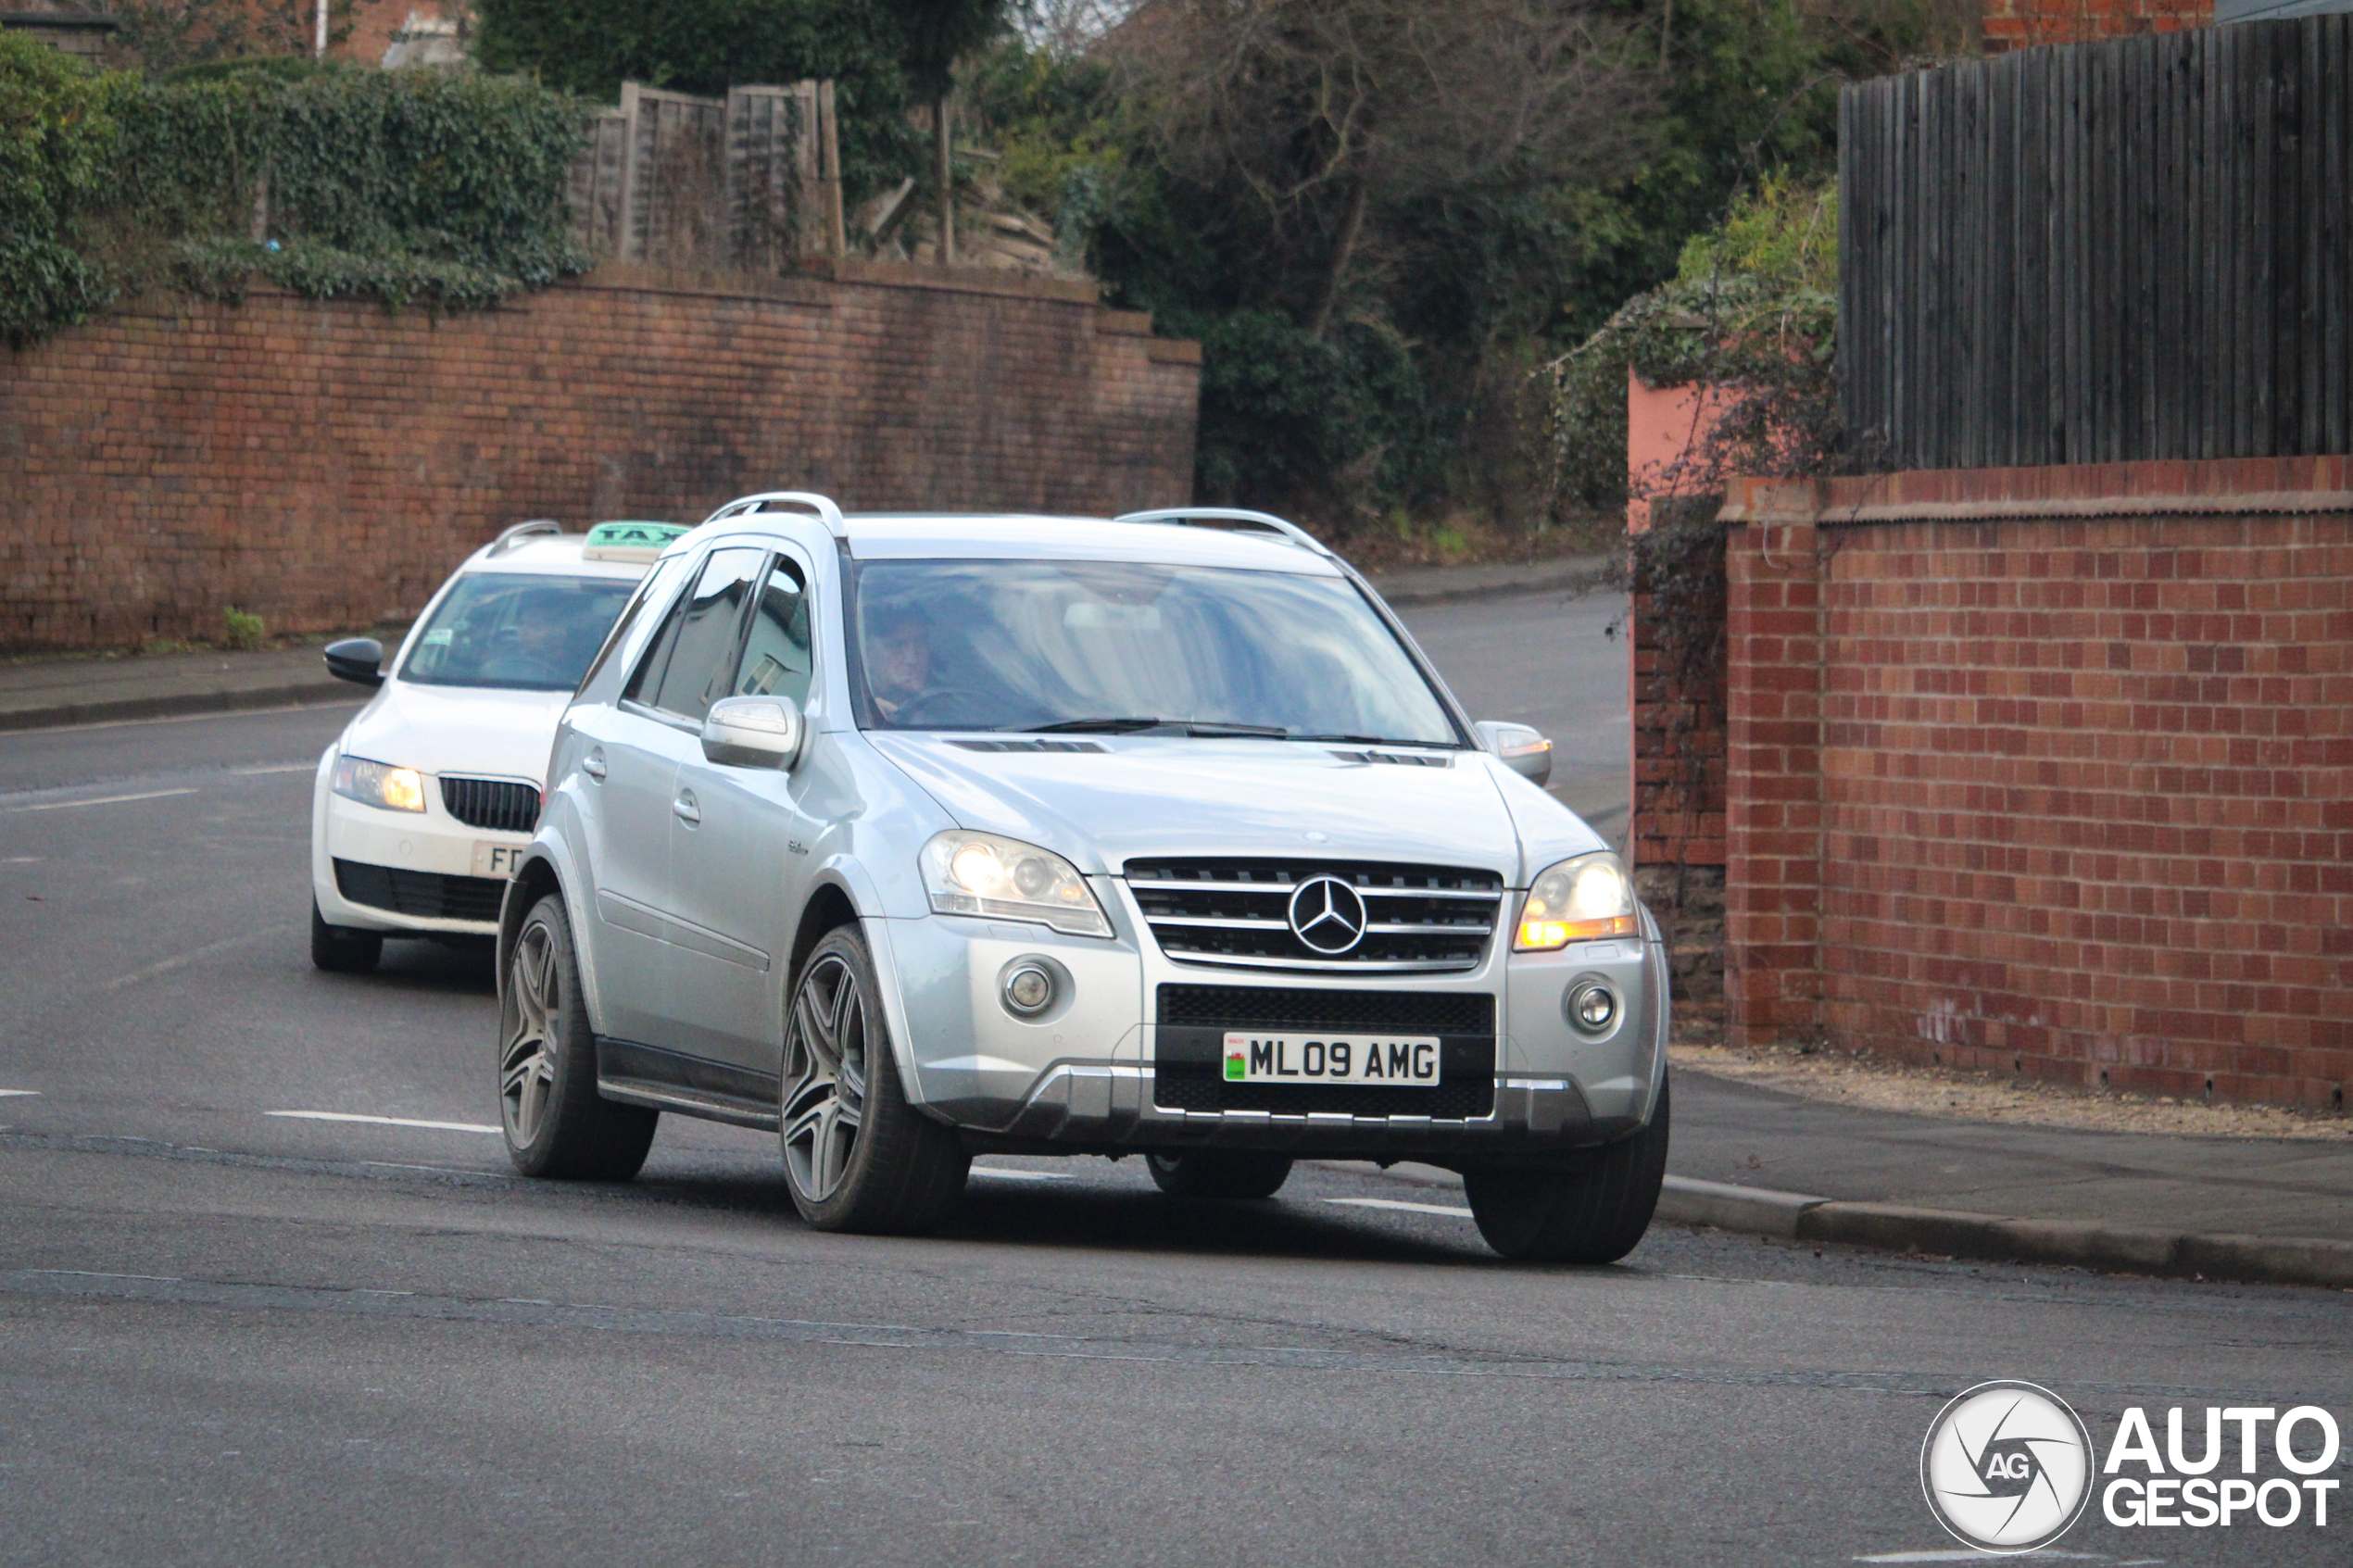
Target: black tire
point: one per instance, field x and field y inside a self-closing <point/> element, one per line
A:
<point x="343" y="950"/>
<point x="857" y="1156"/>
<point x="556" y="1123"/>
<point x="1219" y="1172"/>
<point x="1595" y="1214"/>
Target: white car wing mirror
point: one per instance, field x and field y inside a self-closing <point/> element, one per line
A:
<point x="1525" y="750"/>
<point x="752" y="732"/>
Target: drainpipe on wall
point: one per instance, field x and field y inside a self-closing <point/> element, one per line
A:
<point x="318" y="40"/>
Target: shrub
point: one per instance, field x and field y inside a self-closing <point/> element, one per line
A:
<point x="402" y="187"/>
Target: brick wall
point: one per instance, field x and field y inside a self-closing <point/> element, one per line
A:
<point x="2021" y="24"/>
<point x="326" y="464"/>
<point x="1676" y="839"/>
<point x="2049" y="770"/>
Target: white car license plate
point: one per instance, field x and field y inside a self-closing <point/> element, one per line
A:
<point x="498" y="859"/>
<point x="1400" y="1061"/>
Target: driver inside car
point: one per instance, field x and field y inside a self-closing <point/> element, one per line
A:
<point x="900" y="660"/>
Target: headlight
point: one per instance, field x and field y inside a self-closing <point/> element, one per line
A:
<point x="1577" y="901"/>
<point x="978" y="873"/>
<point x="379" y="783"/>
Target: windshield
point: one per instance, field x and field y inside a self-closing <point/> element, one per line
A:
<point x="531" y="632"/>
<point x="1124" y="646"/>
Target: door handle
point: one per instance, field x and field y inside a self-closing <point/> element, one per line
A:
<point x="594" y="763"/>
<point x="685" y="808"/>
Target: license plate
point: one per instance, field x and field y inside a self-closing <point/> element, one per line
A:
<point x="498" y="859"/>
<point x="1402" y="1062"/>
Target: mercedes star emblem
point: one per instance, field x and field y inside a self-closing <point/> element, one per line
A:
<point x="1327" y="915"/>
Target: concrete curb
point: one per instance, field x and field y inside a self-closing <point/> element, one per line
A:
<point x="1895" y="1227"/>
<point x="1577" y="575"/>
<point x="2093" y="1244"/>
<point x="307" y="694"/>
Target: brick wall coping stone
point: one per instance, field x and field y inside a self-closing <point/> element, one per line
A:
<point x="2231" y="485"/>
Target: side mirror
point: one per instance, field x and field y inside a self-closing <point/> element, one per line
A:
<point x="356" y="659"/>
<point x="752" y="732"/>
<point x="1523" y="750"/>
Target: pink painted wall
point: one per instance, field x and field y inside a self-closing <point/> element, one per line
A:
<point x="1661" y="423"/>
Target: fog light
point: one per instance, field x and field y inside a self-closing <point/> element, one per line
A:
<point x="1592" y="1006"/>
<point x="1029" y="990"/>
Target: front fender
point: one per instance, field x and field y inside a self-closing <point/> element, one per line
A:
<point x="547" y="866"/>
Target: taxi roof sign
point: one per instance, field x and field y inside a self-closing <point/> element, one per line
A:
<point x="630" y="541"/>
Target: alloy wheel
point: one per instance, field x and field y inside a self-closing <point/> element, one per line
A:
<point x="527" y="1056"/>
<point x="825" y="1098"/>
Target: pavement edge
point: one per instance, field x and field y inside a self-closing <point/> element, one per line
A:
<point x="1896" y="1227"/>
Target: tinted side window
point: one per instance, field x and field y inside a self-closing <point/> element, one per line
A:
<point x="776" y="660"/>
<point x="695" y="652"/>
<point x="657" y="586"/>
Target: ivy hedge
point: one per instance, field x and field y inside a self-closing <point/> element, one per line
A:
<point x="1752" y="315"/>
<point x="444" y="190"/>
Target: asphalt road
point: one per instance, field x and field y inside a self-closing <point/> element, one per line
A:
<point x="234" y="1337"/>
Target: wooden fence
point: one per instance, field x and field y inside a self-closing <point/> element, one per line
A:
<point x="2102" y="252"/>
<point x="741" y="182"/>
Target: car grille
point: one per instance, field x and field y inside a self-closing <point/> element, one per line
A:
<point x="1187" y="1073"/>
<point x="492" y="803"/>
<point x="427" y="894"/>
<point x="1237" y="913"/>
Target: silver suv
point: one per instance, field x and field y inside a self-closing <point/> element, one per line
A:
<point x="914" y="838"/>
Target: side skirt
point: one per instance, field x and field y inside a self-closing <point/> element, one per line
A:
<point x="692" y="1085"/>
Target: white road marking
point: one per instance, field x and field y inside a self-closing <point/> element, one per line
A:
<point x="1947" y="1555"/>
<point x="381" y="1120"/>
<point x="4" y="1093"/>
<point x="102" y="800"/>
<point x="21" y="860"/>
<point x="1021" y="1175"/>
<point x="164" y="966"/>
<point x="1408" y="1208"/>
<point x="263" y="772"/>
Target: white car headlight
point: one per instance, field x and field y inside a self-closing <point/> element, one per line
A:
<point x="978" y="873"/>
<point x="379" y="783"/>
<point x="1577" y="901"/>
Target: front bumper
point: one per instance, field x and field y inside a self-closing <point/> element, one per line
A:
<point x="1083" y="1076"/>
<point x="412" y="846"/>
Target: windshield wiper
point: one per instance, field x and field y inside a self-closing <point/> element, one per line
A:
<point x="1381" y="740"/>
<point x="1090" y="726"/>
<point x="1206" y="728"/>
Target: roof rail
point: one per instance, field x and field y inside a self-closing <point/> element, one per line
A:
<point x="1233" y="517"/>
<point x="785" y="500"/>
<point x="509" y="538"/>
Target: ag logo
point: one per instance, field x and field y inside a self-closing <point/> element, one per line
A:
<point x="2007" y="1467"/>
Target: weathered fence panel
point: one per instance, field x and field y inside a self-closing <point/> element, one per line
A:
<point x="670" y="179"/>
<point x="2102" y="252"/>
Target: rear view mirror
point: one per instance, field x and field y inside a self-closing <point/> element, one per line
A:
<point x="752" y="732"/>
<point x="1523" y="750"/>
<point x="356" y="659"/>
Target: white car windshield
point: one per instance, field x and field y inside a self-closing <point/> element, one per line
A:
<point x="523" y="631"/>
<point x="1125" y="647"/>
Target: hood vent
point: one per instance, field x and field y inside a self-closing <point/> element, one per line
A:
<point x="1026" y="744"/>
<point x="1398" y="758"/>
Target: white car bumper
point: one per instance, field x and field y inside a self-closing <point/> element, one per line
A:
<point x="405" y="871"/>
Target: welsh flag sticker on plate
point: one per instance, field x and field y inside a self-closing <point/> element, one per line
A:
<point x="1400" y="1061"/>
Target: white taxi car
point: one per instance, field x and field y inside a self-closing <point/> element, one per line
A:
<point x="426" y="800"/>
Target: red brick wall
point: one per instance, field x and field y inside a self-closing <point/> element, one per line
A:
<point x="1676" y="842"/>
<point x="326" y="464"/>
<point x="2049" y="770"/>
<point x="2021" y="24"/>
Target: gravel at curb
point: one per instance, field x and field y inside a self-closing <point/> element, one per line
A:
<point x="1894" y="1227"/>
